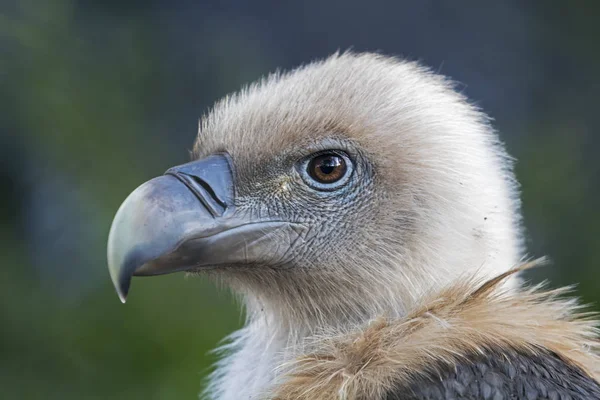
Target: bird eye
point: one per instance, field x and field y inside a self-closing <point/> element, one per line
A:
<point x="326" y="171"/>
<point x="327" y="168"/>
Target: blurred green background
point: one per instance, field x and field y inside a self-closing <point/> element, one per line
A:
<point x="99" y="96"/>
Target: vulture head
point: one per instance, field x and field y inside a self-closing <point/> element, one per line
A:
<point x="326" y="196"/>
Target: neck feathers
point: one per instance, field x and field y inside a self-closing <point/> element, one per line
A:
<point x="464" y="319"/>
<point x="268" y="359"/>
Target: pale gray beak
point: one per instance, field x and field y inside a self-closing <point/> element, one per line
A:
<point x="186" y="220"/>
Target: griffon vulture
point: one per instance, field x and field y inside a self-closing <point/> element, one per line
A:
<point x="367" y="215"/>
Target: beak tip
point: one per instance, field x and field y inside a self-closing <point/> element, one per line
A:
<point x="122" y="288"/>
<point x="121" y="283"/>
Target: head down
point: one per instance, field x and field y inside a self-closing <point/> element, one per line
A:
<point x="339" y="191"/>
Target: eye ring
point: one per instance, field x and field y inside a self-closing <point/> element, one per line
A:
<point x="326" y="170"/>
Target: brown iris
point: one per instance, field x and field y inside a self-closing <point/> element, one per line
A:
<point x="327" y="168"/>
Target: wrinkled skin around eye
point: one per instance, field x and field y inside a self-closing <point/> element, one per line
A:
<point x="334" y="212"/>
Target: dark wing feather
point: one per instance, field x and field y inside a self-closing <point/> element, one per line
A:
<point x="502" y="377"/>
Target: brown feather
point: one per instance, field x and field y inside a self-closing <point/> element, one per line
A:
<point x="464" y="319"/>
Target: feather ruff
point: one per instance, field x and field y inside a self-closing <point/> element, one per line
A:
<point x="468" y="317"/>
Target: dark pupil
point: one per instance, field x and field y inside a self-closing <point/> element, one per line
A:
<point x="329" y="164"/>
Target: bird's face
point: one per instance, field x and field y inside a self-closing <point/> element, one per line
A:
<point x="329" y="185"/>
<point x="323" y="190"/>
<point x="304" y="210"/>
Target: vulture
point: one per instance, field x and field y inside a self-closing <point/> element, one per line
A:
<point x="367" y="215"/>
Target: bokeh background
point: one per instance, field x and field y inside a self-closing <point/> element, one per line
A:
<point x="97" y="96"/>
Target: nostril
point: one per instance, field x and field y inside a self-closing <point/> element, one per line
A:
<point x="211" y="181"/>
<point x="207" y="188"/>
<point x="203" y="191"/>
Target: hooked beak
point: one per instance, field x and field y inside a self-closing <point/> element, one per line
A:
<point x="186" y="220"/>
